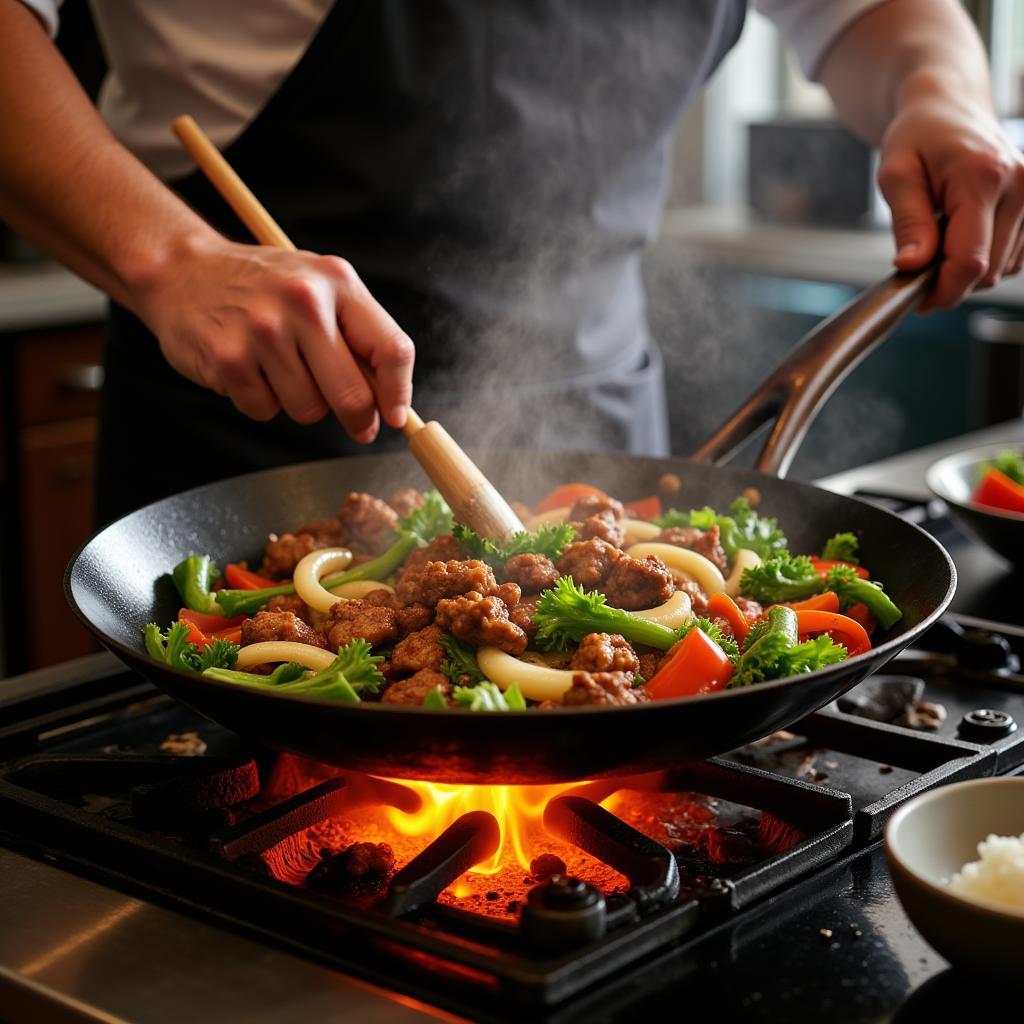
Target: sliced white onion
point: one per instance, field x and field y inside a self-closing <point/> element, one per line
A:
<point x="535" y="681"/>
<point x="312" y="657"/>
<point x="686" y="562"/>
<point x="745" y="559"/>
<point x="359" y="588"/>
<point x="309" y="570"/>
<point x="675" y="612"/>
<point x="638" y="530"/>
<point x="553" y="515"/>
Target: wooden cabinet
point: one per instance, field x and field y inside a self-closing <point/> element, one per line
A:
<point x="52" y="419"/>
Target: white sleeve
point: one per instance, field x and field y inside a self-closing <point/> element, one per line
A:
<point x="46" y="11"/>
<point x="811" y="26"/>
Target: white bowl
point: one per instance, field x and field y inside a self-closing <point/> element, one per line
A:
<point x="929" y="839"/>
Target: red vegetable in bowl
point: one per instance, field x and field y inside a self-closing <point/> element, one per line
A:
<point x="997" y="490"/>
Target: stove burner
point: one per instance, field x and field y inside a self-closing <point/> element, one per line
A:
<point x="986" y="725"/>
<point x="563" y="913"/>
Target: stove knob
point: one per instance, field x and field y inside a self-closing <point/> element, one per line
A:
<point x="985" y="725"/>
<point x="563" y="913"/>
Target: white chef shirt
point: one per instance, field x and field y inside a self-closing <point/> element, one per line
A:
<point x="221" y="62"/>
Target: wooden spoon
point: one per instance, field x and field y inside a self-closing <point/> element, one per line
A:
<point x="473" y="498"/>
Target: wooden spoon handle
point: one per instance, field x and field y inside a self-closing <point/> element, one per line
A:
<point x="472" y="497"/>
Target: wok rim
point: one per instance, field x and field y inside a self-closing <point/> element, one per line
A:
<point x="890" y="647"/>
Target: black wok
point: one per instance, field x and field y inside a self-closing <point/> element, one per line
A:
<point x="118" y="582"/>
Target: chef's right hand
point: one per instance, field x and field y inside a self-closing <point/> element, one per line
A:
<point x="274" y="329"/>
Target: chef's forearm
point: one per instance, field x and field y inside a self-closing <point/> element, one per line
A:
<point x="899" y="51"/>
<point x="67" y="184"/>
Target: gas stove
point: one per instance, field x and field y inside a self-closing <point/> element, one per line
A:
<point x="145" y="885"/>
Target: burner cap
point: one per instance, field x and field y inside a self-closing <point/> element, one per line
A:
<point x="985" y="725"/>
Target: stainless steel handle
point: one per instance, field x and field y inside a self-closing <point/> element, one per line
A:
<point x="794" y="394"/>
<point x="81" y="378"/>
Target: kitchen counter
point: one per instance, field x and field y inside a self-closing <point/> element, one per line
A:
<point x="46" y="295"/>
<point x="733" y="237"/>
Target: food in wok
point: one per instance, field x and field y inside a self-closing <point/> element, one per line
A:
<point x="598" y="603"/>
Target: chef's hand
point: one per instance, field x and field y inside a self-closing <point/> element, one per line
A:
<point x="947" y="152"/>
<point x="273" y="329"/>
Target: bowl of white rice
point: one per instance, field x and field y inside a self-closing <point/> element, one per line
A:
<point x="956" y="855"/>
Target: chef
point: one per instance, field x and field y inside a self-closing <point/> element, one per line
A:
<point x="478" y="178"/>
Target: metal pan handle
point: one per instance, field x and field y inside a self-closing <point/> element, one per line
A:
<point x="794" y="394"/>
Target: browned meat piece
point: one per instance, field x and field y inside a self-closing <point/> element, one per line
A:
<point x="705" y="542"/>
<point x="413" y="618"/>
<point x="603" y="525"/>
<point x="669" y="483"/>
<point x="523" y="613"/>
<point x="593" y="505"/>
<point x="437" y="580"/>
<point x="649" y="662"/>
<point x="418" y="650"/>
<point x="444" y="548"/>
<point x="290" y="603"/>
<point x="347" y="620"/>
<point x="415" y="689"/>
<point x="382" y="598"/>
<point x="603" y="688"/>
<point x="405" y="500"/>
<point x="283" y="553"/>
<point x="546" y="865"/>
<point x="327" y="534"/>
<point x="481" y="622"/>
<point x="752" y="611"/>
<point x="639" y="583"/>
<point x="369" y="522"/>
<point x="532" y="572"/>
<point x="605" y="652"/>
<point x="510" y="594"/>
<point x="698" y="599"/>
<point x="588" y="562"/>
<point x="266" y="626"/>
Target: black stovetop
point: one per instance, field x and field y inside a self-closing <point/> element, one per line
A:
<point x="810" y="927"/>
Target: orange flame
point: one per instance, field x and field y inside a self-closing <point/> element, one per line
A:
<point x="518" y="809"/>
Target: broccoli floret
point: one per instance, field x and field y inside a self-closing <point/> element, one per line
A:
<point x="714" y="631"/>
<point x="851" y="590"/>
<point x="550" y="540"/>
<point x="841" y="547"/>
<point x="782" y="578"/>
<point x="773" y="651"/>
<point x="741" y="528"/>
<point x="460" y="665"/>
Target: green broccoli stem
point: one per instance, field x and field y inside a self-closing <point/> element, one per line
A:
<point x="193" y="577"/>
<point x="643" y="631"/>
<point x="249" y="602"/>
<point x="872" y="596"/>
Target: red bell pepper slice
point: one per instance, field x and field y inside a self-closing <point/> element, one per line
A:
<point x="826" y="602"/>
<point x="859" y="613"/>
<point x="644" y="508"/>
<point x="841" y="628"/>
<point x="997" y="490"/>
<point x="233" y="636"/>
<point x="240" y="578"/>
<point x="822" y="566"/>
<point x="210" y="624"/>
<point x="696" y="665"/>
<point x="722" y="606"/>
<point x="566" y="494"/>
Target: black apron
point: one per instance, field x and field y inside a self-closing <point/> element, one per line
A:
<point x="494" y="172"/>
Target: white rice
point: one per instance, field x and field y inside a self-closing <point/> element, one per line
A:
<point x="999" y="876"/>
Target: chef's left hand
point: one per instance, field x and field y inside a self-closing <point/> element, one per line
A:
<point x="945" y="152"/>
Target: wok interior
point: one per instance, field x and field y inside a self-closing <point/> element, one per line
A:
<point x="119" y="582"/>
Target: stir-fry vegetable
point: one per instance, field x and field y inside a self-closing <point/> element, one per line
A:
<point x="194" y="577"/>
<point x="713" y="632"/>
<point x="1009" y="463"/>
<point x="550" y="539"/>
<point x="485" y="696"/>
<point x="697" y="665"/>
<point x="840" y="547"/>
<point x="851" y="634"/>
<point x="773" y="650"/>
<point x="174" y="648"/>
<point x="741" y="528"/>
<point x="997" y="490"/>
<point x="460" y="665"/>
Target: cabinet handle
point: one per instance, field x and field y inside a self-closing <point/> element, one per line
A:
<point x="81" y="378"/>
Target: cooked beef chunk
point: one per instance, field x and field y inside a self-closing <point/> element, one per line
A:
<point x="347" y="620"/>
<point x="382" y="598"/>
<point x="588" y="562"/>
<point x="266" y="626"/>
<point x="546" y="865"/>
<point x="418" y="650"/>
<point x="603" y="688"/>
<point x="369" y="522"/>
<point x="283" y="553"/>
<point x="532" y="572"/>
<point x="443" y="548"/>
<point x="405" y="500"/>
<point x="639" y="583"/>
<point x="510" y="594"/>
<point x="328" y="534"/>
<point x="649" y="662"/>
<point x="751" y="609"/>
<point x="290" y="603"/>
<point x="437" y="580"/>
<point x="481" y="622"/>
<point x="523" y="613"/>
<point x="604" y="526"/>
<point x="605" y="652"/>
<point x="415" y="689"/>
<point x="594" y="505"/>
<point x="698" y="599"/>
<point x="705" y="542"/>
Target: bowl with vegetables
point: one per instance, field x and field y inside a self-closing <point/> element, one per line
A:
<point x="956" y="856"/>
<point x="984" y="489"/>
